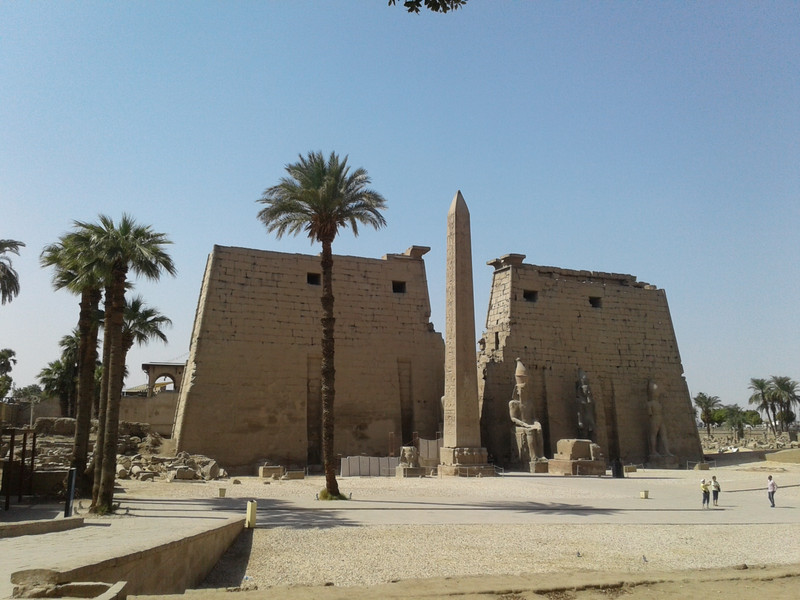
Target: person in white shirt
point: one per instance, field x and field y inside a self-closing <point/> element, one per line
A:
<point x="715" y="489"/>
<point x="771" y="487"/>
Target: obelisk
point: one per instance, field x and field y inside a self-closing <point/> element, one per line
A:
<point x="462" y="453"/>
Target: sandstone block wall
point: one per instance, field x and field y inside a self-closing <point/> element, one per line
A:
<point x="251" y="389"/>
<point x="157" y="410"/>
<point x="618" y="330"/>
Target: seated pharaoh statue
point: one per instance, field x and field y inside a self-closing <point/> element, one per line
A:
<point x="520" y="410"/>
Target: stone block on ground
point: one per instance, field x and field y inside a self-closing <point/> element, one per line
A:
<point x="539" y="466"/>
<point x="406" y="471"/>
<point x="210" y="470"/>
<point x="270" y="471"/>
<point x="574" y="449"/>
<point x="559" y="466"/>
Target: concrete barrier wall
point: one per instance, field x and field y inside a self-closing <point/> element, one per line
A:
<point x="369" y="466"/>
<point x="170" y="568"/>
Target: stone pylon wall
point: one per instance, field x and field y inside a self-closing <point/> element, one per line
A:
<point x="251" y="390"/>
<point x="618" y="330"/>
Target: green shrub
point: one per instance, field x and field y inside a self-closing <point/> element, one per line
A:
<point x="324" y="495"/>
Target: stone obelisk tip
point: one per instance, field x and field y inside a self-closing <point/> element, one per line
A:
<point x="458" y="204"/>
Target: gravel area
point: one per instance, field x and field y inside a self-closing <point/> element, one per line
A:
<point x="368" y="556"/>
<point x="566" y="528"/>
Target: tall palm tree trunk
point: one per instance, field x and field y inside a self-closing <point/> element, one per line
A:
<point x="97" y="458"/>
<point x="114" y="324"/>
<point x="87" y="357"/>
<point x="328" y="371"/>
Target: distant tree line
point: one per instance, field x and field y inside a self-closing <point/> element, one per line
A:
<point x="775" y="398"/>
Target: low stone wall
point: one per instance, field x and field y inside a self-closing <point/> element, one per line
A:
<point x="169" y="568"/>
<point x="734" y="458"/>
<point x="19" y="528"/>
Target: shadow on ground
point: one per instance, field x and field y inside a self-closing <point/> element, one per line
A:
<point x="31" y="510"/>
<point x="232" y="566"/>
<point x="270" y="512"/>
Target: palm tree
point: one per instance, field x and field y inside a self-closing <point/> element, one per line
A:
<point x="9" y="279"/>
<point x="762" y="398"/>
<point x="7" y="362"/>
<point x="707" y="405"/>
<point x="57" y="381"/>
<point x="318" y="198"/>
<point x="786" y="394"/>
<point x="69" y="345"/>
<point x="126" y="246"/>
<point x="80" y="270"/>
<point x="142" y="324"/>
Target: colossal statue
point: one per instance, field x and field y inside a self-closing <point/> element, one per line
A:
<point x="520" y="410"/>
<point x="658" y="433"/>
<point x="585" y="402"/>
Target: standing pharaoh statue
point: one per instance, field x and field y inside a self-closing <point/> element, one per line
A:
<point x="658" y="433"/>
<point x="585" y="402"/>
<point x="520" y="409"/>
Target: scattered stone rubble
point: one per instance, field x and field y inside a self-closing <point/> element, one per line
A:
<point x="183" y="467"/>
<point x="752" y="441"/>
<point x="137" y="453"/>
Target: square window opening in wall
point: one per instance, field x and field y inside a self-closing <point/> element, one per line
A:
<point x="313" y="279"/>
<point x="596" y="301"/>
<point x="530" y="295"/>
<point x="399" y="287"/>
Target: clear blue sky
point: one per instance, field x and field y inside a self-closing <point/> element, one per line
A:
<point x="660" y="139"/>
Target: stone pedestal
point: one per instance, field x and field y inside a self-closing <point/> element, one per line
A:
<point x="465" y="462"/>
<point x="539" y="466"/>
<point x="406" y="471"/>
<point x="577" y="457"/>
<point x="560" y="466"/>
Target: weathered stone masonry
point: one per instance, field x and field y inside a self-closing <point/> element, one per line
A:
<point x="616" y="329"/>
<point x="251" y="390"/>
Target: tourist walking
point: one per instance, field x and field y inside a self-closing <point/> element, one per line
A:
<point x="715" y="490"/>
<point x="704" y="488"/>
<point x="771" y="487"/>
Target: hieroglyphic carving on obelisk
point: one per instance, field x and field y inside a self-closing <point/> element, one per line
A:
<point x="462" y="453"/>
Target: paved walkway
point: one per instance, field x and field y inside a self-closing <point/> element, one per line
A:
<point x="140" y="525"/>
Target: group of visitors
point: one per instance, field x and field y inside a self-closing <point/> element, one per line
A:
<point x="710" y="489"/>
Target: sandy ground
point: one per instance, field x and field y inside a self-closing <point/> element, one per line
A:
<point x="513" y="537"/>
